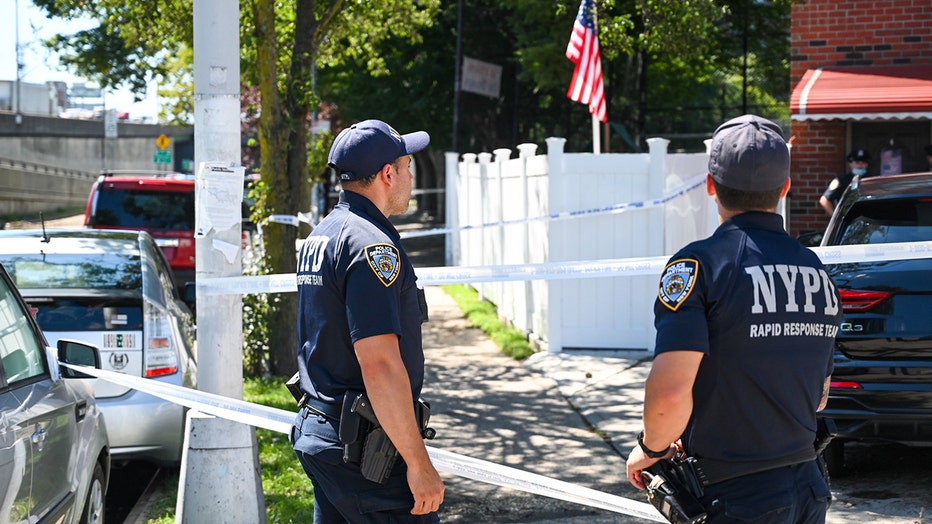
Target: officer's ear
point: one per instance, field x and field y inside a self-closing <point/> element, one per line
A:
<point x="786" y="187"/>
<point x="709" y="185"/>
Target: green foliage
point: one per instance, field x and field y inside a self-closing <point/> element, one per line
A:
<point x="483" y="315"/>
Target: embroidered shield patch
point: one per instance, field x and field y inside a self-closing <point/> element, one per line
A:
<point x="385" y="262"/>
<point x="677" y="282"/>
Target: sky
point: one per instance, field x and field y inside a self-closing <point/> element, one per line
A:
<point x="41" y="66"/>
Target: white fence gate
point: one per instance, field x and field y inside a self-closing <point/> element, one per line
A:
<point x="569" y="207"/>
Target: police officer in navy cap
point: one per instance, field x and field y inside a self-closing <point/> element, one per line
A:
<point x="359" y="329"/>
<point x="745" y="320"/>
<point x="858" y="161"/>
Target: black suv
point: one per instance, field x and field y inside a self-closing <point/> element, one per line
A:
<point x="881" y="388"/>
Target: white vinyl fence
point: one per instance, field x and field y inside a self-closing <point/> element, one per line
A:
<point x="563" y="207"/>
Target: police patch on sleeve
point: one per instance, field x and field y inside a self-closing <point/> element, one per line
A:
<point x="385" y="261"/>
<point x="677" y="282"/>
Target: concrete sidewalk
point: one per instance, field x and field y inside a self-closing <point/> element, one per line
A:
<point x="534" y="416"/>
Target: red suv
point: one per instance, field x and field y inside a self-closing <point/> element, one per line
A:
<point x="161" y="204"/>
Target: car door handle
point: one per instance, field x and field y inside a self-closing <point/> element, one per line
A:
<point x="38" y="438"/>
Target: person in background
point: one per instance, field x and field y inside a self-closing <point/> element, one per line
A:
<point x="858" y="162"/>
<point x="746" y="322"/>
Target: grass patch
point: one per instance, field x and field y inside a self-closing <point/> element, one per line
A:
<point x="483" y="315"/>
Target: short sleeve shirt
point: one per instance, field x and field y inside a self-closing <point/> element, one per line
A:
<point x="837" y="187"/>
<point x="764" y="313"/>
<point x="354" y="281"/>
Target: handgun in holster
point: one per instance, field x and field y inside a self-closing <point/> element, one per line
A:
<point x="365" y="441"/>
<point x="674" y="489"/>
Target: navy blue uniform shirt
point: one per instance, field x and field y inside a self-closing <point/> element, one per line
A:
<point x="354" y="282"/>
<point x="764" y="312"/>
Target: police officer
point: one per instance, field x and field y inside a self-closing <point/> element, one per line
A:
<point x="745" y="323"/>
<point x="858" y="161"/>
<point x="359" y="328"/>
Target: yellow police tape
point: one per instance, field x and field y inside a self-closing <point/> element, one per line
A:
<point x="280" y="421"/>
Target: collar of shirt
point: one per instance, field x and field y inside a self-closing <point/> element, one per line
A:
<point x="364" y="207"/>
<point x="757" y="220"/>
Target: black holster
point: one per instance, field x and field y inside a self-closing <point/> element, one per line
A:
<point x="674" y="489"/>
<point x="365" y="441"/>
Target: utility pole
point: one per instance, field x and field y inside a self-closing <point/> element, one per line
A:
<point x="19" y="67"/>
<point x="220" y="480"/>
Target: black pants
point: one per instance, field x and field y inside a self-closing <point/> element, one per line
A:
<point x="341" y="493"/>
<point x="796" y="494"/>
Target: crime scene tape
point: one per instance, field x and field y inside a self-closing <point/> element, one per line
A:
<point x="435" y="276"/>
<point x="686" y="187"/>
<point x="280" y="421"/>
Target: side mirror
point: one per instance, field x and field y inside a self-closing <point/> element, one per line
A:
<point x="810" y="238"/>
<point x="78" y="353"/>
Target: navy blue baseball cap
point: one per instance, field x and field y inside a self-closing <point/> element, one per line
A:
<point x="749" y="154"/>
<point x="362" y="149"/>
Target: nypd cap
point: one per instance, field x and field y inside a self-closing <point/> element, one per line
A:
<point x="859" y="155"/>
<point x="749" y="154"/>
<point x="362" y="149"/>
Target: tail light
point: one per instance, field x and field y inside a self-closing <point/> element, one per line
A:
<point x="845" y="385"/>
<point x="159" y="354"/>
<point x="859" y="301"/>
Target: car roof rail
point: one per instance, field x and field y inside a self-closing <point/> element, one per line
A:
<point x="143" y="173"/>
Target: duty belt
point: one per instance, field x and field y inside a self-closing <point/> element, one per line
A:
<point x="711" y="471"/>
<point x="320" y="407"/>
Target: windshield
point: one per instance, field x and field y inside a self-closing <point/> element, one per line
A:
<point x="887" y="221"/>
<point x="160" y="210"/>
<point x="106" y="271"/>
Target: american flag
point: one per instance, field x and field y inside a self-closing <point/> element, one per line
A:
<point x="583" y="50"/>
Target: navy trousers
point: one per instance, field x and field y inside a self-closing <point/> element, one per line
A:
<point x="796" y="494"/>
<point x="341" y="493"/>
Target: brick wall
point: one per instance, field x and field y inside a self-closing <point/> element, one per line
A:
<point x="818" y="155"/>
<point x="837" y="34"/>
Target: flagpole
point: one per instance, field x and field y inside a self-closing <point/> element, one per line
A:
<point x="596" y="146"/>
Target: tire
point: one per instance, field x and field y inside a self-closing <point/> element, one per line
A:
<point x="93" y="512"/>
<point x="834" y="455"/>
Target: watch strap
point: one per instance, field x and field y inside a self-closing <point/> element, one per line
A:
<point x="647" y="451"/>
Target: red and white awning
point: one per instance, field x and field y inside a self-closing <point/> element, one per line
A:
<point x="886" y="93"/>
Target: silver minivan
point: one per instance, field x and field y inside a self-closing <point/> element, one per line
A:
<point x="113" y="289"/>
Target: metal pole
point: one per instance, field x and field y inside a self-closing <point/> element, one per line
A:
<point x="220" y="469"/>
<point x="456" y="75"/>
<point x="19" y="67"/>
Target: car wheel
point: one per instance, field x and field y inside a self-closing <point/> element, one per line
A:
<point x="94" y="504"/>
<point x="834" y="455"/>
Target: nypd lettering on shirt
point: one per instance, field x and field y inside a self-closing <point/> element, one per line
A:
<point x="311" y="259"/>
<point x="385" y="261"/>
<point x="805" y="289"/>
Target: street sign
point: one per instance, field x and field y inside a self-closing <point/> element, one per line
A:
<point x="162" y="156"/>
<point x="162" y="142"/>
<point x="110" y="123"/>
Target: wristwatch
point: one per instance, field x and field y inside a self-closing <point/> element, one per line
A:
<point x="649" y="452"/>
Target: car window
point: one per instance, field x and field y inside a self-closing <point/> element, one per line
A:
<point x="887" y="221"/>
<point x="164" y="210"/>
<point x="67" y="271"/>
<point x="20" y="353"/>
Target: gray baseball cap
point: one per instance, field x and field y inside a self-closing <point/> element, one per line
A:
<point x="749" y="154"/>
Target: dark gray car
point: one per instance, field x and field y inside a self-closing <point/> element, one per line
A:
<point x="113" y="289"/>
